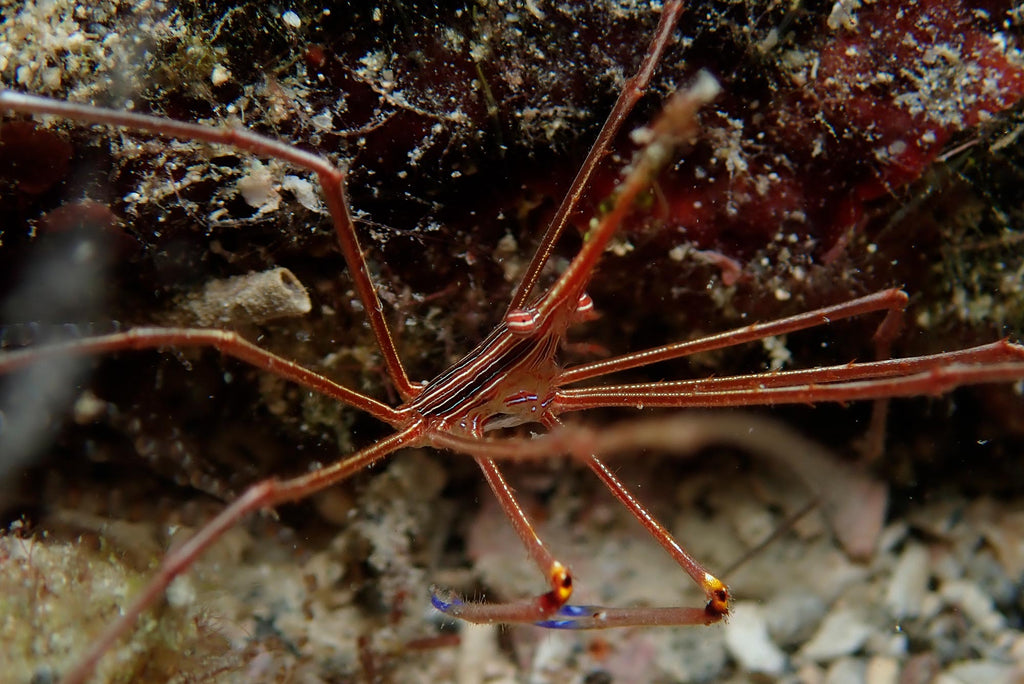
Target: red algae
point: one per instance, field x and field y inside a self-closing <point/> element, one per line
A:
<point x="34" y="159"/>
<point x="840" y="118"/>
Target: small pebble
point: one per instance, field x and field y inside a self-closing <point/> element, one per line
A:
<point x="792" y="617"/>
<point x="746" y="637"/>
<point x="909" y="583"/>
<point x="841" y="633"/>
<point x="975" y="672"/>
<point x="970" y="599"/>
<point x="847" y="671"/>
<point x="693" y="656"/>
<point x="882" y="670"/>
<point x="220" y="75"/>
<point x="291" y="19"/>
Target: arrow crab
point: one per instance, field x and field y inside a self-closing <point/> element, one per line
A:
<point x="515" y="376"/>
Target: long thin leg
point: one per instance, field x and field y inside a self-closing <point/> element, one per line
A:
<point x="675" y="126"/>
<point x="550" y="609"/>
<point x="994" y="352"/>
<point x="892" y="301"/>
<point x="531" y="610"/>
<point x="843" y="490"/>
<point x="714" y="590"/>
<point x="265" y="494"/>
<point x="631" y="93"/>
<point x="887" y="300"/>
<point x="873" y="443"/>
<point x="226" y="342"/>
<point x="936" y="381"/>
<point x="332" y="180"/>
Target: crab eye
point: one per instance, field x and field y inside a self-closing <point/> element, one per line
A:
<point x="521" y="321"/>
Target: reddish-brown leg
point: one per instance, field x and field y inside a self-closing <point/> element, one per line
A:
<point x="946" y="372"/>
<point x="226" y="342"/>
<point x="270" y="492"/>
<point x="331" y="179"/>
<point x="992" y="353"/>
<point x="873" y="442"/>
<point x="550" y="609"/>
<point x="631" y="93"/>
<point x="715" y="591"/>
<point x="265" y="494"/>
<point x="675" y="126"/>
<point x="842" y="489"/>
<point x="530" y="610"/>
<point x="892" y="301"/>
<point x="931" y="374"/>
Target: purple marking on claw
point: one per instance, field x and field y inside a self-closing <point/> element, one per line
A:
<point x="570" y="615"/>
<point x="442" y="605"/>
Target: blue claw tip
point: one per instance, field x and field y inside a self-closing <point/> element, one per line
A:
<point x="443" y="605"/>
<point x="557" y="624"/>
<point x="567" y="617"/>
